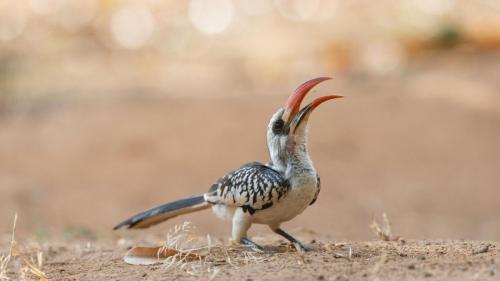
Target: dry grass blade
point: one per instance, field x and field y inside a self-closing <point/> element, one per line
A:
<point x="378" y="266"/>
<point x="14" y="253"/>
<point x="4" y="262"/>
<point x="34" y="270"/>
<point x="384" y="230"/>
<point x="184" y="251"/>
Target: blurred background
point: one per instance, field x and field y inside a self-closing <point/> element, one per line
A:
<point x="110" y="107"/>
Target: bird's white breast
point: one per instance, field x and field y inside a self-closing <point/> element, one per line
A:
<point x="301" y="194"/>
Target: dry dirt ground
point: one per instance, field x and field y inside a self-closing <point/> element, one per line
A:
<point x="421" y="146"/>
<point x="340" y="260"/>
<point x="412" y="260"/>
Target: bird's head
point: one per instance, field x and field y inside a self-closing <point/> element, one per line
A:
<point x="288" y="125"/>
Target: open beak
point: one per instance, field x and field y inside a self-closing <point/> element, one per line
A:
<point x="304" y="113"/>
<point x="293" y="115"/>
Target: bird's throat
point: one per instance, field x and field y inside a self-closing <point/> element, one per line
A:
<point x="299" y="163"/>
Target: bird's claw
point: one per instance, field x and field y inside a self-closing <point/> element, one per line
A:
<point x="301" y="247"/>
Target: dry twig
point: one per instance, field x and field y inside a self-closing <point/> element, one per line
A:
<point x="482" y="250"/>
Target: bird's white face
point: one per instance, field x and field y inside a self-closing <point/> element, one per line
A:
<point x="277" y="138"/>
<point x="284" y="136"/>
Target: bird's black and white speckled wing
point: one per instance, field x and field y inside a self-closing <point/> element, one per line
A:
<point x="252" y="187"/>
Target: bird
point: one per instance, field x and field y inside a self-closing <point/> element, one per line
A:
<point x="259" y="193"/>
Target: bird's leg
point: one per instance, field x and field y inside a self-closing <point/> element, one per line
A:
<point x="291" y="239"/>
<point x="252" y="245"/>
<point x="241" y="224"/>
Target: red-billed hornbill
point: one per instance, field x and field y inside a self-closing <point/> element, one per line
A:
<point x="260" y="193"/>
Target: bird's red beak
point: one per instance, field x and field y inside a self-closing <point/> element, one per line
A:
<point x="292" y="105"/>
<point x="293" y="113"/>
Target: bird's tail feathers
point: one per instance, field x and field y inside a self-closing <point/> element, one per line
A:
<point x="164" y="212"/>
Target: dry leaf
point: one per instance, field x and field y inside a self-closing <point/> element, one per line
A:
<point x="153" y="255"/>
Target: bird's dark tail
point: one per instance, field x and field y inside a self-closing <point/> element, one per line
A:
<point x="164" y="212"/>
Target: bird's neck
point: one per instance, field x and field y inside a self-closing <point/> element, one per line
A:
<point x="299" y="162"/>
<point x="278" y="159"/>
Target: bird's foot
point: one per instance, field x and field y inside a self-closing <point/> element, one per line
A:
<point x="298" y="245"/>
<point x="301" y="247"/>
<point x="254" y="246"/>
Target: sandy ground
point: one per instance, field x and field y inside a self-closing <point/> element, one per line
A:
<point x="422" y="147"/>
<point x="413" y="260"/>
<point x="339" y="260"/>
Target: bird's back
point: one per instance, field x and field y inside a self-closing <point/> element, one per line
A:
<point x="253" y="187"/>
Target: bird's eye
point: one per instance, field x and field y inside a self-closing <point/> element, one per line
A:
<point x="278" y="127"/>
